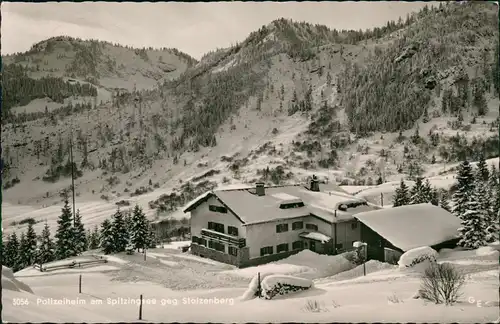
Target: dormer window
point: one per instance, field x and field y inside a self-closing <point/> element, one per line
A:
<point x="217" y="209"/>
<point x="342" y="207"/>
<point x="291" y="205"/>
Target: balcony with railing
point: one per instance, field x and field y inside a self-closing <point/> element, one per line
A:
<point x="208" y="234"/>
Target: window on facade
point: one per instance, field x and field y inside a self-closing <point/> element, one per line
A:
<point x="217" y="246"/>
<point x="195" y="239"/>
<point x="203" y="242"/>
<point x="282" y="248"/>
<point x="266" y="250"/>
<point x="340" y="246"/>
<point x="312" y="227"/>
<point x="216" y="227"/>
<point x="217" y="209"/>
<point x="231" y="230"/>
<point x="297" y="245"/>
<point x="281" y="228"/>
<point x="297" y="225"/>
<point x="354" y="225"/>
<point x="220" y="247"/>
<point x="233" y="250"/>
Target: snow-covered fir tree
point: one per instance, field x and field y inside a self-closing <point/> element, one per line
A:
<point x="494" y="214"/>
<point x="128" y="221"/>
<point x="79" y="237"/>
<point x="483" y="193"/>
<point x="23" y="252"/>
<point x="119" y="230"/>
<point x="493" y="179"/>
<point x="473" y="231"/>
<point x="65" y="245"/>
<point x="482" y="169"/>
<point x="495" y="205"/>
<point x="94" y="239"/>
<point x="130" y="248"/>
<point x="418" y="194"/>
<point x="465" y="189"/>
<point x="402" y="195"/>
<point x="106" y="242"/>
<point x="139" y="228"/>
<point x="494" y="186"/>
<point x="46" y="250"/>
<point x="443" y="201"/>
<point x="11" y="252"/>
<point x="31" y="244"/>
<point x="152" y="240"/>
<point x="434" y="197"/>
<point x="427" y="192"/>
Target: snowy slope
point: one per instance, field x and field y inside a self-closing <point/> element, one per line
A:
<point x="384" y="295"/>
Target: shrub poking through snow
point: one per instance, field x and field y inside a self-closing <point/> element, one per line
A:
<point x="275" y="285"/>
<point x="313" y="306"/>
<point x="418" y="258"/>
<point x="421" y="259"/>
<point x="441" y="283"/>
<point x="394" y="299"/>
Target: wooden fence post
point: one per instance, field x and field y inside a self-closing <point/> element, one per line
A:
<point x="140" y="308"/>
<point x="258" y="284"/>
<point x="80" y="284"/>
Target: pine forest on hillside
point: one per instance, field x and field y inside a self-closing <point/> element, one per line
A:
<point x="405" y="101"/>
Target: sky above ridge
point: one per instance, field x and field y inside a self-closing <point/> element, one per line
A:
<point x="194" y="28"/>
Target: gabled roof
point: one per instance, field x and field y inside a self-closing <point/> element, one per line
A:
<point x="252" y="209"/>
<point x="412" y="226"/>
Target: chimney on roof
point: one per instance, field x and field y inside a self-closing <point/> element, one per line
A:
<point x="314" y="185"/>
<point x="259" y="189"/>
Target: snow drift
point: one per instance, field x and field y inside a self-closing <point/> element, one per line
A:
<point x="371" y="267"/>
<point x="304" y="264"/>
<point x="9" y="282"/>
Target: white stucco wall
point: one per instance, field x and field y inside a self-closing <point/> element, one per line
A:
<point x="346" y="235"/>
<point x="264" y="234"/>
<point x="202" y="215"/>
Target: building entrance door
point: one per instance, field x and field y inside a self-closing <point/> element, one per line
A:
<point x="312" y="246"/>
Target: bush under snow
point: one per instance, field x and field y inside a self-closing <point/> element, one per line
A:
<point x="418" y="259"/>
<point x="253" y="287"/>
<point x="441" y="283"/>
<point x="275" y="285"/>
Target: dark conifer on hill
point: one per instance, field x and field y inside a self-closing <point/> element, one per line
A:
<point x="402" y="196"/>
<point x="65" y="244"/>
<point x="465" y="189"/>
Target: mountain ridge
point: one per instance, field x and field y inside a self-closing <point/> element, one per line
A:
<point x="273" y="107"/>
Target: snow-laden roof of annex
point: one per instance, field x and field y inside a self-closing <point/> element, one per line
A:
<point x="412" y="226"/>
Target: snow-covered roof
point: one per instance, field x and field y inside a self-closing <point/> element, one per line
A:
<point x="316" y="236"/>
<point x="284" y="196"/>
<point x="252" y="209"/>
<point x="412" y="226"/>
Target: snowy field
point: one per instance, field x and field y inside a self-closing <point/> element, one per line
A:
<point x="110" y="294"/>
